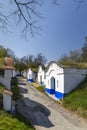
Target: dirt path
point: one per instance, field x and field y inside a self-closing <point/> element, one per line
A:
<point x="44" y="113"/>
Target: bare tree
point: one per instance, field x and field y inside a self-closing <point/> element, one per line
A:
<point x="75" y="55"/>
<point x="23" y="12"/>
<point x="40" y="59"/>
<point x="84" y="51"/>
<point x="79" y="2"/>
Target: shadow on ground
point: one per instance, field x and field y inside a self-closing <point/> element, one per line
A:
<point x="37" y="113"/>
<point x="23" y="90"/>
<point x="22" y="83"/>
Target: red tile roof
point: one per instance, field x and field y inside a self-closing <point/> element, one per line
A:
<point x="9" y="63"/>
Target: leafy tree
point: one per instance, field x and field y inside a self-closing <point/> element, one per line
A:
<point x="84" y="51"/>
<point x="64" y="57"/>
<point x="30" y="62"/>
<point x="3" y="52"/>
<point x="20" y="65"/>
<point x="10" y="53"/>
<point x="75" y="55"/>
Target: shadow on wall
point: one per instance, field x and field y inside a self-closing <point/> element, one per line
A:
<point x="37" y="113"/>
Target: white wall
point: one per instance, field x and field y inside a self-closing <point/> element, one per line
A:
<point x="56" y="72"/>
<point x="72" y="78"/>
<point x="41" y="73"/>
<point x="31" y="74"/>
<point x="7" y="102"/>
<point x="25" y="74"/>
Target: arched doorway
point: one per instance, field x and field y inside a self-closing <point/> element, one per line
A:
<point x="53" y="85"/>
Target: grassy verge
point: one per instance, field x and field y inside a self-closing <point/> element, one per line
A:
<point x="74" y="64"/>
<point x="15" y="90"/>
<point x="16" y="122"/>
<point x="41" y="89"/>
<point x="77" y="100"/>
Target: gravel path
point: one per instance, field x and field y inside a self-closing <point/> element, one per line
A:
<point x="44" y="113"/>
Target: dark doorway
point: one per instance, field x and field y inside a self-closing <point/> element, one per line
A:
<point x="53" y="85"/>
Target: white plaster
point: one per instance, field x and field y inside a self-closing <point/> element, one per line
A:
<point x="41" y="75"/>
<point x="25" y="74"/>
<point x="72" y="78"/>
<point x="31" y="74"/>
<point x="57" y="72"/>
<point x="66" y="79"/>
<point x="6" y="102"/>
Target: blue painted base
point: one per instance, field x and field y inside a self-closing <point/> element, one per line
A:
<point x="50" y="91"/>
<point x="58" y="95"/>
<point x="30" y="80"/>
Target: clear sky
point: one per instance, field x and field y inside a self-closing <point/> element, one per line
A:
<point x="63" y="29"/>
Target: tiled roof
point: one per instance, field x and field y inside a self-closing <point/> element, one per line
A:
<point x="9" y="63"/>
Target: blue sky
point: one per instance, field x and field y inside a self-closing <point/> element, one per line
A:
<point x="63" y="29"/>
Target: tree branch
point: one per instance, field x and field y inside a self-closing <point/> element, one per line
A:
<point x="26" y="14"/>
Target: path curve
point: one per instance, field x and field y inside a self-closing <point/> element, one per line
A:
<point x="44" y="113"/>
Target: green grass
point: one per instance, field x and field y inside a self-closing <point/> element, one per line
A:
<point x="14" y="82"/>
<point x="41" y="89"/>
<point x="15" y="89"/>
<point x="77" y="100"/>
<point x="14" y="122"/>
<point x="74" y="64"/>
<point x="1" y="93"/>
<point x="16" y="92"/>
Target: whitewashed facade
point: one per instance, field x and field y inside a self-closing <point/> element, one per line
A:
<point x="41" y="76"/>
<point x="62" y="80"/>
<point x="31" y="75"/>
